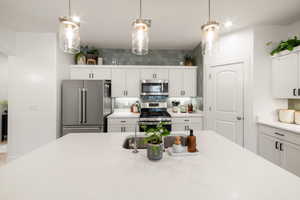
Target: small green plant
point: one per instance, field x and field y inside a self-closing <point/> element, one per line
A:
<point x="155" y="135"/>
<point x="290" y="44"/>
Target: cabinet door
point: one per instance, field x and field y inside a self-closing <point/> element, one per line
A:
<point x="178" y="127"/>
<point x="176" y="82"/>
<point x="285" y="76"/>
<point x="133" y="83"/>
<point x="190" y="82"/>
<point x="101" y="74"/>
<point x="81" y="74"/>
<point x="114" y="129"/>
<point x="157" y="74"/>
<point x="118" y="83"/>
<point x="147" y="74"/>
<point x="161" y="74"/>
<point x="291" y="158"/>
<point x="267" y="149"/>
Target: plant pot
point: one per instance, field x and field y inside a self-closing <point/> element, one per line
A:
<point x="155" y="151"/>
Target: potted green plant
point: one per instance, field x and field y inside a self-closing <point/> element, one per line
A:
<point x="188" y="60"/>
<point x="154" y="141"/>
<point x="289" y="45"/>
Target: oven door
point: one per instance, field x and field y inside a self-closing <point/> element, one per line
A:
<point x="152" y="124"/>
<point x="154" y="87"/>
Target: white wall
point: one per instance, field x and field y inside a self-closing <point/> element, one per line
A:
<point x="33" y="92"/>
<point x="264" y="104"/>
<point x="63" y="61"/>
<point x="7" y="41"/>
<point x="3" y="82"/>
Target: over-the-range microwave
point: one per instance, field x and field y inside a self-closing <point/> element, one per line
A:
<point x="154" y="87"/>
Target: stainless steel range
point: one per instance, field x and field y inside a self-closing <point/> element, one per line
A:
<point x="154" y="111"/>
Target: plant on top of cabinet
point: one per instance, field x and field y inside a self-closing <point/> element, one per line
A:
<point x="188" y="60"/>
<point x="87" y="56"/>
<point x="290" y="44"/>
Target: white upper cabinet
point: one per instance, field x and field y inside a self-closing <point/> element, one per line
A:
<point x="182" y="82"/>
<point x="154" y="74"/>
<point x="125" y="83"/>
<point x="285" y="76"/>
<point x="90" y="73"/>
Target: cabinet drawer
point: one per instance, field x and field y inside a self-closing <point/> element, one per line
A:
<point x="280" y="134"/>
<point x="184" y="120"/>
<point x="121" y="121"/>
<point x="120" y="128"/>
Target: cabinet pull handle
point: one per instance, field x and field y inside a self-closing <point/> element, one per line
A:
<point x="294" y="92"/>
<point x="282" y="135"/>
<point x="186" y="120"/>
<point x="298" y="91"/>
<point x="276" y="145"/>
<point x="92" y="75"/>
<point x="123" y="121"/>
<point x="280" y="147"/>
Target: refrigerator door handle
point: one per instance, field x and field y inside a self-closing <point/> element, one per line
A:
<point x="85" y="105"/>
<point x="80" y="105"/>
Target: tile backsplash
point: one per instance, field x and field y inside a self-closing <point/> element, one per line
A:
<point x="294" y="104"/>
<point x="125" y="103"/>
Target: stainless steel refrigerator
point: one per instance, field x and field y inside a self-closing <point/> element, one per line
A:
<point x="85" y="106"/>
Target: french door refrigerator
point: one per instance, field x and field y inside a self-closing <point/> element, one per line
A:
<point x="85" y="106"/>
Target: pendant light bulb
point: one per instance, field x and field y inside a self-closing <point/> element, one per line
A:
<point x="69" y="33"/>
<point x="140" y="35"/>
<point x="210" y="33"/>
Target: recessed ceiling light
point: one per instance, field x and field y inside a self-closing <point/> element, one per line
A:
<point x="228" y="24"/>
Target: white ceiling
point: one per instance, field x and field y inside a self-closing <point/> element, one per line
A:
<point x="175" y="23"/>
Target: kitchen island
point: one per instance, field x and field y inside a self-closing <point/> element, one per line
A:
<point x="95" y="166"/>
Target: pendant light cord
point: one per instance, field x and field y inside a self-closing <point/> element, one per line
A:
<point x="208" y="10"/>
<point x="140" y="9"/>
<point x="69" y="8"/>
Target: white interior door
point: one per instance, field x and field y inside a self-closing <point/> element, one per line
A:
<point x="225" y="101"/>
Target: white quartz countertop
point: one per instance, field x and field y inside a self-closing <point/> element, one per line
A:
<point x="123" y="114"/>
<point x="186" y="115"/>
<point x="94" y="166"/>
<point x="128" y="114"/>
<point x="276" y="124"/>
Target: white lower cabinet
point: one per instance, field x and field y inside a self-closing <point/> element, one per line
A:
<point x="122" y="124"/>
<point x="185" y="124"/>
<point x="280" y="147"/>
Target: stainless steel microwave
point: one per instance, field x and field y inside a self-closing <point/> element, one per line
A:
<point x="154" y="87"/>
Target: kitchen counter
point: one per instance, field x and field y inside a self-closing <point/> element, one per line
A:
<point x="94" y="166"/>
<point x="276" y="124"/>
<point x="123" y="114"/>
<point x="186" y="115"/>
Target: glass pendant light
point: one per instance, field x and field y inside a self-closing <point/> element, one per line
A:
<point x="69" y="35"/>
<point x="140" y="35"/>
<point x="210" y="33"/>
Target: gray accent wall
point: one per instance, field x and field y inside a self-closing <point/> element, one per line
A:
<point x="155" y="57"/>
